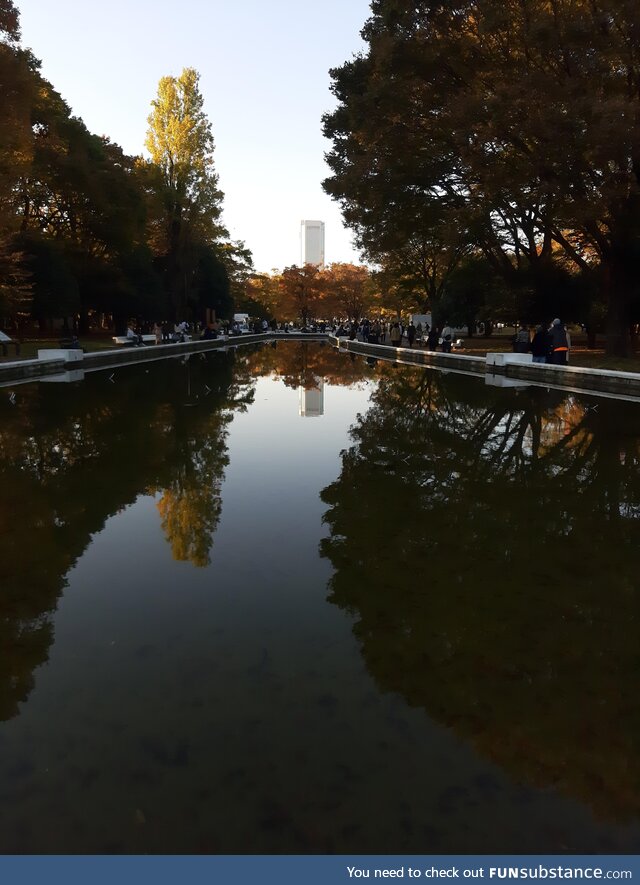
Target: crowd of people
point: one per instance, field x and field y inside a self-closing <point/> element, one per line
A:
<point x="395" y="333"/>
<point x="172" y="333"/>
<point x="548" y="344"/>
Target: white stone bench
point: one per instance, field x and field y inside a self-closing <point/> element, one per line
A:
<point x="123" y="340"/>
<point x="504" y="359"/>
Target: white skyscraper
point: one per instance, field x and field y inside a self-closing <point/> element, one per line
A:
<point x="312" y="400"/>
<point x="312" y="242"/>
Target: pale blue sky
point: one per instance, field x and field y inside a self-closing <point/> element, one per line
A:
<point x="264" y="76"/>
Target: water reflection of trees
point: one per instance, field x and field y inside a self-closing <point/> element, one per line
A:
<point x="71" y="457"/>
<point x="487" y="544"/>
<point x="301" y="363"/>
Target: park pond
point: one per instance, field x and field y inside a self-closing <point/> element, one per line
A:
<point x="283" y="599"/>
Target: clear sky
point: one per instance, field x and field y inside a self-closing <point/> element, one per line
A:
<point x="264" y="76"/>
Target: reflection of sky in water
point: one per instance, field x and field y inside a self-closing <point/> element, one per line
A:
<point x="229" y="709"/>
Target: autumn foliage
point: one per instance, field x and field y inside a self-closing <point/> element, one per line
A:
<point x="347" y="291"/>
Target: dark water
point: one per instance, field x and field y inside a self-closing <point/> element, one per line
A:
<point x="405" y="621"/>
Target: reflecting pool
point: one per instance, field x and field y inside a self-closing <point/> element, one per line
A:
<point x="281" y="599"/>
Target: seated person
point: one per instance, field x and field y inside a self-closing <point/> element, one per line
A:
<point x="134" y="337"/>
<point x="209" y="333"/>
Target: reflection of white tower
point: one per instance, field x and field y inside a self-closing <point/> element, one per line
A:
<point x="312" y="242"/>
<point x="312" y="400"/>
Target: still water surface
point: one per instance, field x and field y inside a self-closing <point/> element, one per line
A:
<point x="281" y="600"/>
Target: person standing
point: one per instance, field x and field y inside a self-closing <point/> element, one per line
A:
<point x="396" y="334"/>
<point x="447" y="337"/>
<point x="522" y="342"/>
<point x="411" y="334"/>
<point x="432" y="338"/>
<point x="541" y="344"/>
<point x="559" y="343"/>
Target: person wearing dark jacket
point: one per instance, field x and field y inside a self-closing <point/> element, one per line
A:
<point x="541" y="345"/>
<point x="521" y="342"/>
<point x="432" y="339"/>
<point x="559" y="343"/>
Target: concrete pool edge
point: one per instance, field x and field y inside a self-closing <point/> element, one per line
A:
<point x="20" y="371"/>
<point x="571" y="378"/>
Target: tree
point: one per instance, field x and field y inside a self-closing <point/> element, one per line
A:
<point x="475" y="292"/>
<point x="80" y="206"/>
<point x="519" y="119"/>
<point x="16" y="87"/>
<point x="262" y="291"/>
<point x="54" y="285"/>
<point x="211" y="285"/>
<point x="348" y="291"/>
<point x="181" y="145"/>
<point x="300" y="291"/>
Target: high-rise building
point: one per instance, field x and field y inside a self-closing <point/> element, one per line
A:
<point x="312" y="243"/>
<point x="312" y="400"/>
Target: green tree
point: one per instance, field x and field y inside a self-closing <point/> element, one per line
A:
<point x="211" y="288"/>
<point x="238" y="261"/>
<point x="475" y="292"/>
<point x="81" y="209"/>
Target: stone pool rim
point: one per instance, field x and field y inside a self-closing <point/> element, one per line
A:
<point x="569" y="378"/>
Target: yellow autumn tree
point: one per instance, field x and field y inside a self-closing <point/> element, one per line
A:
<point x="181" y="146"/>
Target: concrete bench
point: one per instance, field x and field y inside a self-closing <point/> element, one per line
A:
<point x="123" y="340"/>
<point x="504" y="359"/>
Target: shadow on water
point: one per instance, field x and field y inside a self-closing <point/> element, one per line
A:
<point x="487" y="547"/>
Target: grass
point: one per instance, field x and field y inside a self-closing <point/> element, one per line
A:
<point x="580" y="354"/>
<point x="29" y="347"/>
